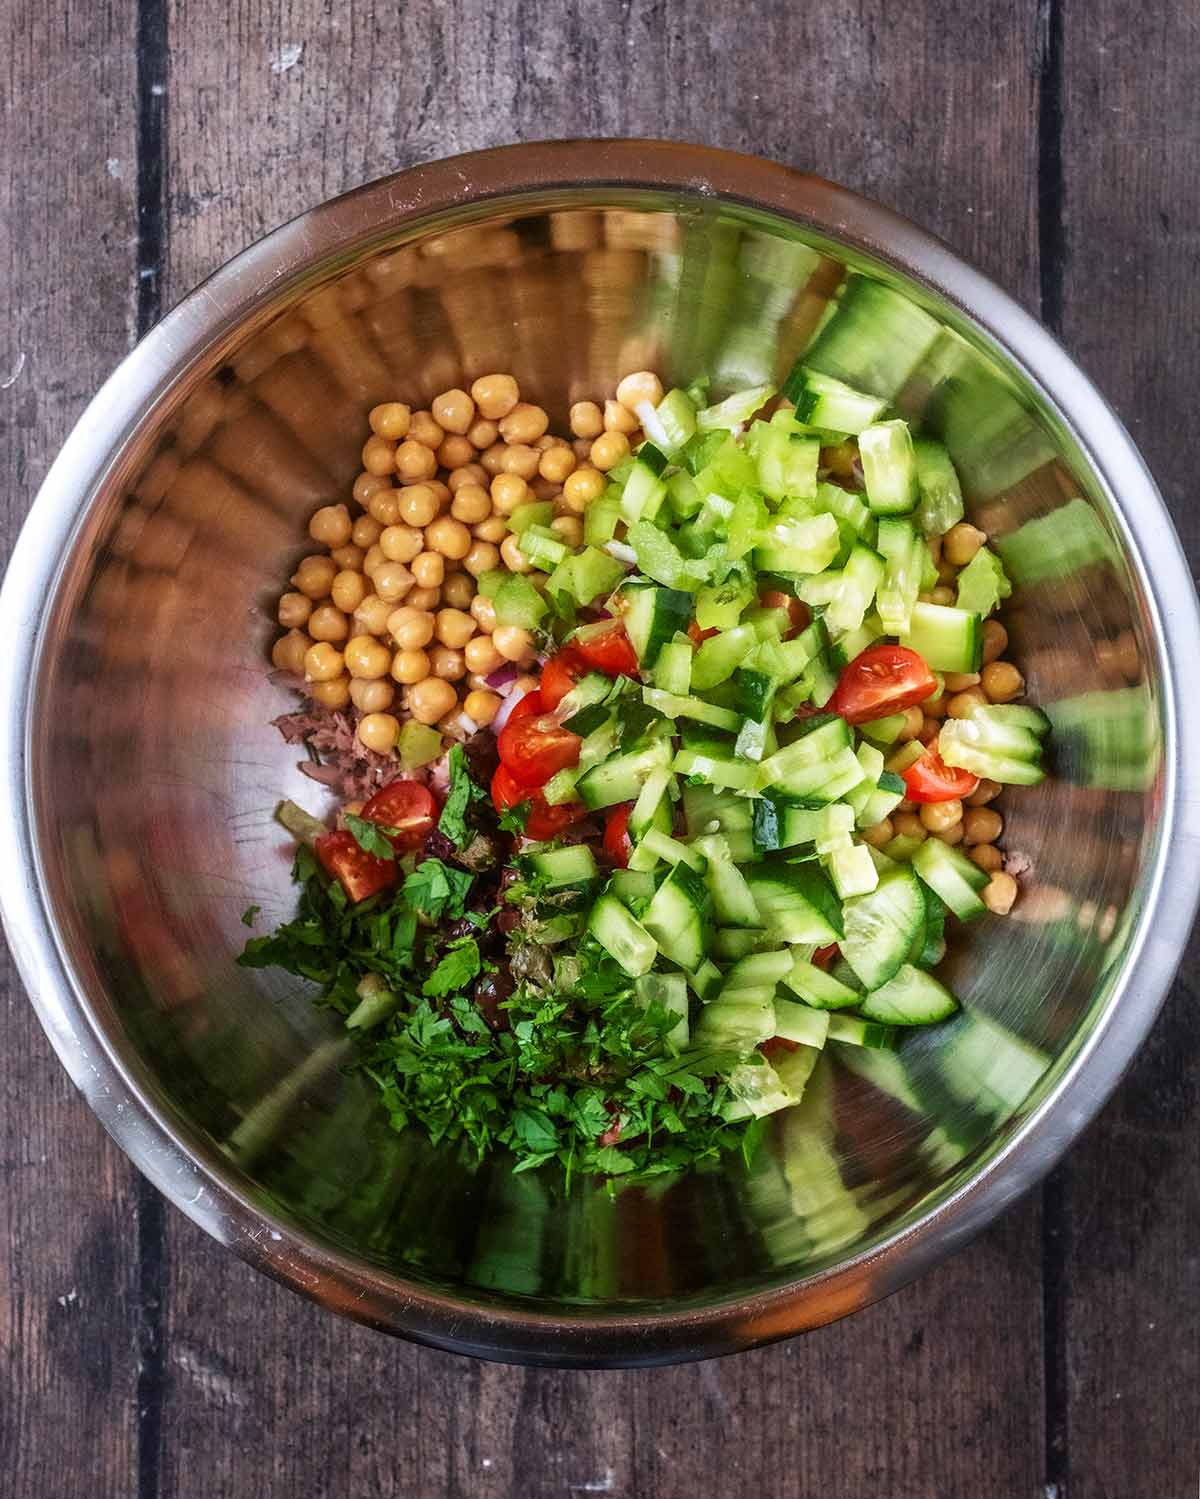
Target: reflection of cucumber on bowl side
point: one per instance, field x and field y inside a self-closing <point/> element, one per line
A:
<point x="663" y="751"/>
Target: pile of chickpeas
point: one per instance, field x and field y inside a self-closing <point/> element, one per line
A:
<point x="387" y="616"/>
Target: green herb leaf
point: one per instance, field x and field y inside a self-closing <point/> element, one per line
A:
<point x="461" y="964"/>
<point x="369" y="836"/>
<point x="463" y="791"/>
<point x="436" y="889"/>
<point x="249" y="914"/>
<point x="514" y="819"/>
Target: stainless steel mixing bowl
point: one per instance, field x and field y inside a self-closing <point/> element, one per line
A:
<point x="140" y="771"/>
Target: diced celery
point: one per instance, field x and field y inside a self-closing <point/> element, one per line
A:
<point x="795" y="546"/>
<point x="601" y="517"/>
<point x="595" y="574"/>
<point x="517" y="602"/>
<point x="983" y="583"/>
<point x="538" y="513"/>
<point x="941" y="502"/>
<point x="734" y="410"/>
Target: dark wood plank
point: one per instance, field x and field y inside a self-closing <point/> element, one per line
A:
<point x="265" y="1393"/>
<point x="68" y="1222"/>
<point x="1129" y="1201"/>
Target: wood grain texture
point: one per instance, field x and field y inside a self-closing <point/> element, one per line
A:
<point x="939" y="1390"/>
<point x="1130" y="1211"/>
<point x="68" y="1230"/>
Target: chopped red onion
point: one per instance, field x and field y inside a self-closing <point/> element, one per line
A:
<point x="621" y="552"/>
<point x="503" y="675"/>
<point x="505" y="710"/>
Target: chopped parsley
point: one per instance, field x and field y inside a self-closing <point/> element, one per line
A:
<point x="370" y="837"/>
<point x="249" y="915"/>
<point x="463" y="791"/>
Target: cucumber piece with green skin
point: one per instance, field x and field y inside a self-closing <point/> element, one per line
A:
<point x="820" y="989"/>
<point x="651" y="616"/>
<point x="588" y="692"/>
<point x="676" y="917"/>
<point x="630" y="884"/>
<point x="645" y="488"/>
<point x="948" y="639"/>
<point x="856" y="1032"/>
<point x="933" y="938"/>
<point x="669" y="992"/>
<point x="854" y="642"/>
<point x="797" y="903"/>
<point x="824" y="740"/>
<point x="951" y="876"/>
<point x="760" y="969"/>
<point x="541" y="547"/>
<point x="755" y="1091"/>
<point x="671" y="706"/>
<point x="733" y="900"/>
<point x="874" y="339"/>
<point x="903" y="846"/>
<point x="705" y="983"/>
<point x="824" y="781"/>
<point x="798" y="546"/>
<point x="852" y="871"/>
<point x="941" y="502"/>
<point x="718" y="766"/>
<point x="737" y="1025"/>
<point x="902" y="550"/>
<point x="663" y="846"/>
<point x="731" y="943"/>
<point x="998" y="749"/>
<point x="673" y="669"/>
<point x="889" y="467"/>
<point x="707" y="810"/>
<point x="880" y="927"/>
<point x="721" y="655"/>
<point x="796" y="1022"/>
<point x="910" y="997"/>
<point x="652" y="809"/>
<point x="623" y="938"/>
<point x="620" y="779"/>
<point x="565" y="866"/>
<point x="822" y="401"/>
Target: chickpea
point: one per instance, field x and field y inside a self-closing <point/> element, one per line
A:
<point x="581" y="447"/>
<point x="568" y="528"/>
<point x="914" y="719"/>
<point x="469" y="473"/>
<point x="951" y="835"/>
<point x="524" y="423"/>
<point x="384" y="507"/>
<point x="322" y="663"/>
<point x="401" y="543"/>
<point x="314" y="577"/>
<point x="492" y="530"/>
<point x="366" y="532"/>
<point x="586" y="419"/>
<point x="410" y="666"/>
<point x="349" y="558"/>
<point x="961" y="542"/>
<point x="482" y="433"/>
<point x="367" y="657"/>
<point x="1002" y="681"/>
<point x="379" y="456"/>
<point x="491" y="460"/>
<point x="619" y="419"/>
<point x="938" y="816"/>
<point x="425" y="430"/>
<point x="520" y="459"/>
<point x="481" y="655"/>
<point x="327" y="622"/>
<point x="987" y="856"/>
<point x="481" y="706"/>
<point x="368" y="484"/>
<point x="609" y="449"/>
<point x="999" y="893"/>
<point x="371" y="696"/>
<point x="425" y="598"/>
<point x="393" y="580"/>
<point x="348" y="591"/>
<point x="483" y="612"/>
<point x="472" y="503"/>
<point x="508" y="492"/>
<point x="453" y="628"/>
<point x="942" y="595"/>
<point x="449" y="537"/>
<point x="930" y="729"/>
<point x="495" y="395"/>
<point x="908" y="825"/>
<point x="453" y="410"/>
<point x="995" y="640"/>
<point x="288" y="652"/>
<point x="293" y="610"/>
<point x="447" y="664"/>
<point x="513" y="557"/>
<point x="455" y="451"/>
<point x="963" y="704"/>
<point x="429" y="569"/>
<point x="414" y="461"/>
<point x="878" y="833"/>
<point x="374" y="560"/>
<point x="513" y="643"/>
<point x="411" y="629"/>
<point x="957" y="681"/>
<point x="982" y="825"/>
<point x="986" y="791"/>
<point x="936" y="707"/>
<point x="331" y="526"/>
<point x="582" y="487"/>
<point x="335" y="693"/>
<point x="379" y="732"/>
<point x="458" y="590"/>
<point x="642" y="385"/>
<point x="371" y="616"/>
<point x="556" y="464"/>
<point x="418" y="504"/>
<point x="390" y="420"/>
<point x="432" y="698"/>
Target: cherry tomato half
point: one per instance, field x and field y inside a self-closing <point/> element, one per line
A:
<point x="408" y="807"/>
<point x="825" y="955"/>
<point x="531" y="703"/>
<point x="777" y="1046"/>
<point x="534" y="749"/>
<point x="361" y="874"/>
<point x="884" y="679"/>
<point x="544" y="821"/>
<point x="799" y="614"/>
<point x="609" y="651"/>
<point x="559" y="675"/>
<point x="617" y="843"/>
<point x="930" y="779"/>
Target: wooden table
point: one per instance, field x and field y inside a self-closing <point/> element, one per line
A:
<point x="1053" y="143"/>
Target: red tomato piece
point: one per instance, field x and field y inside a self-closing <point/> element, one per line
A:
<point x="361" y="874"/>
<point x="777" y="1046"/>
<point x="531" y="703"/>
<point x="534" y="749"/>
<point x="408" y="807"/>
<point x="612" y="1135"/>
<point x="825" y="955"/>
<point x="559" y="675"/>
<point x="799" y="614"/>
<point x="884" y="679"/>
<point x="930" y="779"/>
<point x="544" y="821"/>
<point x="609" y="651"/>
<point x="617" y="843"/>
<point x="699" y="636"/>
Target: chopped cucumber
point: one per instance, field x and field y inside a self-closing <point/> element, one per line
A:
<point x="949" y="639"/>
<point x="910" y="997"/>
<point x="623" y="938"/>
<point x="676" y="917"/>
<point x="952" y="876"/>
<point x="889" y="467"/>
<point x="880" y="927"/>
<point x="565" y="866"/>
